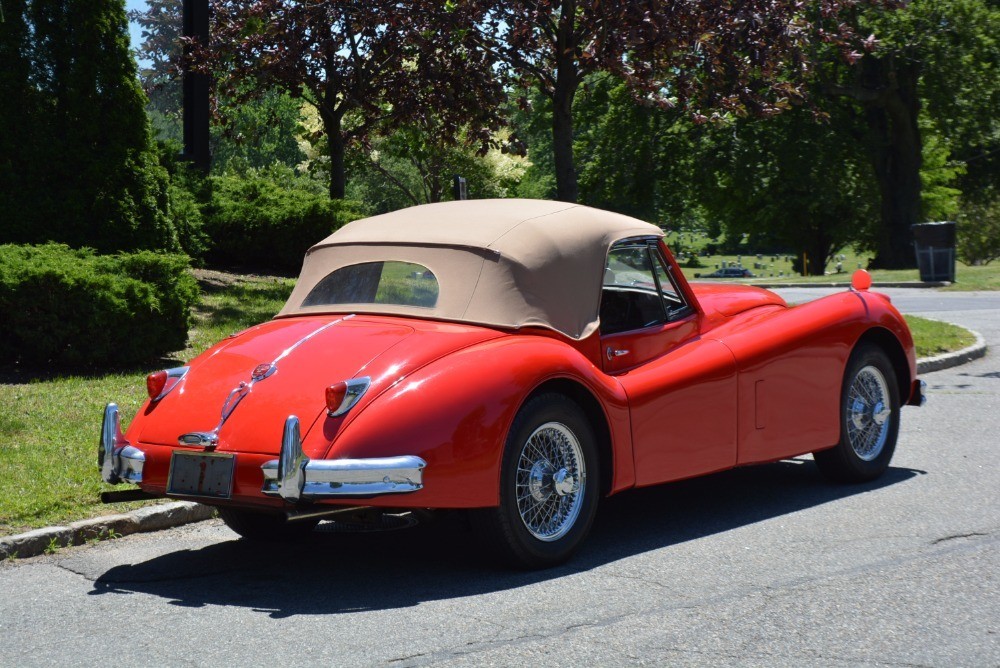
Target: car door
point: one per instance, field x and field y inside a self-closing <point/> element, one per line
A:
<point x="681" y="388"/>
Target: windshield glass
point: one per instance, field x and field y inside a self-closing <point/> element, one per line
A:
<point x="390" y="282"/>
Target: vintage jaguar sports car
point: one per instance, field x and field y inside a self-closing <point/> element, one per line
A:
<point x="519" y="359"/>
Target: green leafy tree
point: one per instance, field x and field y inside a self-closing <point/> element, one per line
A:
<point x="258" y="133"/>
<point x="708" y="56"/>
<point x="250" y="131"/>
<point x="979" y="229"/>
<point x="78" y="160"/>
<point x="19" y="135"/>
<point x="803" y="183"/>
<point x="160" y="49"/>
<point x="362" y="66"/>
<point x="414" y="165"/>
<point x="940" y="55"/>
<point x="637" y="159"/>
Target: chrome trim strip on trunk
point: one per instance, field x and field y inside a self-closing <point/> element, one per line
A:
<point x="210" y="439"/>
<point x="294" y="477"/>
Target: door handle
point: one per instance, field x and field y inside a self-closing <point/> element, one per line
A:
<point x="613" y="353"/>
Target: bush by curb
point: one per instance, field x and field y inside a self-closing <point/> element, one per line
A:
<point x="72" y="308"/>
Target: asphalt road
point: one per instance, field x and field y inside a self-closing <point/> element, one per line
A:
<point x="761" y="566"/>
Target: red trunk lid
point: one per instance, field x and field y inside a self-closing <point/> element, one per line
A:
<point x="310" y="353"/>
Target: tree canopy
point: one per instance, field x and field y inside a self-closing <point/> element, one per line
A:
<point x="362" y="65"/>
<point x="936" y="59"/>
<point x="711" y="57"/>
<point x="76" y="161"/>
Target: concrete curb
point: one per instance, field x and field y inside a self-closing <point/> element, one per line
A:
<point x="165" y="516"/>
<point x="153" y="518"/>
<point x="959" y="357"/>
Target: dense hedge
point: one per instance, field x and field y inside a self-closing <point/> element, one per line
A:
<point x="267" y="221"/>
<point x="70" y="307"/>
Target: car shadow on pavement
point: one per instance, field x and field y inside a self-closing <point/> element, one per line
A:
<point x="334" y="573"/>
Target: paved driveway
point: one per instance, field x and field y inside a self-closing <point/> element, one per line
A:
<point x="761" y="566"/>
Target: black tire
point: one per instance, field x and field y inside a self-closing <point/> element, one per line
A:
<point x="266" y="527"/>
<point x="556" y="425"/>
<point x="866" y="445"/>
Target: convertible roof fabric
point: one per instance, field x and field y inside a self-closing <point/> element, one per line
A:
<point x="506" y="263"/>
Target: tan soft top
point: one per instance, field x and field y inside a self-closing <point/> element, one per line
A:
<point x="505" y="262"/>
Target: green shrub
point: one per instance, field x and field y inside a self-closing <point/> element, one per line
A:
<point x="978" y="231"/>
<point x="693" y="262"/>
<point x="67" y="307"/>
<point x="267" y="219"/>
<point x="186" y="191"/>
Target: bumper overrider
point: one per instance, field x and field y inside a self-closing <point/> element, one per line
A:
<point x="294" y="477"/>
<point x="117" y="459"/>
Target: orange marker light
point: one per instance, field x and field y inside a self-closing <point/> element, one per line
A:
<point x="861" y="280"/>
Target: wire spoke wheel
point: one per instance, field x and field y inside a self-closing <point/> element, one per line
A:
<point x="868" y="413"/>
<point x="550" y="476"/>
<point x="869" y="418"/>
<point x="550" y="481"/>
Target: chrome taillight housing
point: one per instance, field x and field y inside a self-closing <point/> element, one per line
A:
<point x="159" y="383"/>
<point x="341" y="397"/>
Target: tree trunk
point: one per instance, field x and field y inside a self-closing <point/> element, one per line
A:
<point x="337" y="144"/>
<point x="567" y="81"/>
<point x="896" y="159"/>
<point x="819" y="251"/>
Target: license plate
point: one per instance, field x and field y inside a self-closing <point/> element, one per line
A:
<point x="207" y="474"/>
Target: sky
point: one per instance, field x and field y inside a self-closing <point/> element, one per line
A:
<point x="133" y="28"/>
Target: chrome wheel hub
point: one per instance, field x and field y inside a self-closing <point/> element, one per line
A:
<point x="537" y="481"/>
<point x="562" y="482"/>
<point x="550" y="481"/>
<point x="868" y="413"/>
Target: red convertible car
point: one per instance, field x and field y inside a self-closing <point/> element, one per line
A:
<point x="519" y="359"/>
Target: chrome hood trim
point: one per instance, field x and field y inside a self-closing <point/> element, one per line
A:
<point x="210" y="439"/>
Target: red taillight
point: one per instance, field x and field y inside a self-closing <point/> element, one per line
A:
<point x="335" y="396"/>
<point x="341" y="397"/>
<point x="155" y="382"/>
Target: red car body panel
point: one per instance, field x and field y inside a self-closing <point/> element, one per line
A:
<point x="743" y="378"/>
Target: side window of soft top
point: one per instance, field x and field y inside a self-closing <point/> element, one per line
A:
<point x="638" y="290"/>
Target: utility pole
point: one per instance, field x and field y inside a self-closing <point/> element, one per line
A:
<point x="196" y="88"/>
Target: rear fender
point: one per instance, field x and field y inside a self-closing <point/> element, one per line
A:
<point x="455" y="414"/>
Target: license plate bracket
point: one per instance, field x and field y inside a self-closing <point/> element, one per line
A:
<point x="204" y="474"/>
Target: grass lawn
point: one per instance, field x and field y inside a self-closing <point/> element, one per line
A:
<point x="49" y="425"/>
<point x="933" y="337"/>
<point x="777" y="269"/>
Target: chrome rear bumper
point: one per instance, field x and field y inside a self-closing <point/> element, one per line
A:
<point x="117" y="459"/>
<point x="293" y="476"/>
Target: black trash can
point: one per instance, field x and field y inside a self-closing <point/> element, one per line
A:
<point x="935" y="247"/>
